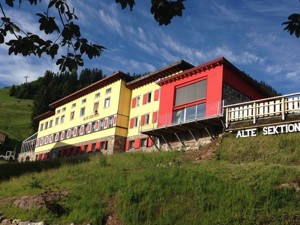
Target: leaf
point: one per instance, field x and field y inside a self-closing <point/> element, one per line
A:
<point x="9" y="2"/>
<point x="1" y="38"/>
<point x="51" y="3"/>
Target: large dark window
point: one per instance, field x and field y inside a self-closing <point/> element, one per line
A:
<point x="190" y="93"/>
<point x="189" y="114"/>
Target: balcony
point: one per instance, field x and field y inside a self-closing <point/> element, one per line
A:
<point x="186" y="119"/>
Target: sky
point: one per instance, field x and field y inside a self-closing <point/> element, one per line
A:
<point x="248" y="33"/>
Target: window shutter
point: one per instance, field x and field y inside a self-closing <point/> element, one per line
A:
<point x="98" y="146"/>
<point x="106" y="122"/>
<point x="142" y="120"/>
<point x="127" y="145"/>
<point x="149" y="142"/>
<point x="131" y="122"/>
<point x="137" y="143"/>
<point x="75" y="151"/>
<point x="115" y="120"/>
<point x="154" y="117"/>
<point x="82" y="149"/>
<point x="156" y="95"/>
<point x="89" y="149"/>
<point x="144" y="99"/>
<point x="133" y="103"/>
<point x="69" y="152"/>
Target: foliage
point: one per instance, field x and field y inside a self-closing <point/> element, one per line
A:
<point x="293" y="24"/>
<point x="60" y="18"/>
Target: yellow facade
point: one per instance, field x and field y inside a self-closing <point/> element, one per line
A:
<point x="143" y="109"/>
<point x="110" y="102"/>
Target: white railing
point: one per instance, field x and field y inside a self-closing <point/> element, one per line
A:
<point x="263" y="108"/>
<point x="28" y="145"/>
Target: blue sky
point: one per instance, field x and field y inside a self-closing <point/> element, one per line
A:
<point x="248" y="33"/>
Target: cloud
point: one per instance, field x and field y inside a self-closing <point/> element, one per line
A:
<point x="244" y="57"/>
<point x="109" y="17"/>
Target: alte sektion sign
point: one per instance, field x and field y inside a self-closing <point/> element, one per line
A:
<point x="269" y="130"/>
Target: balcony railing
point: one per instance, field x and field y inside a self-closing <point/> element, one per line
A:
<point x="263" y="108"/>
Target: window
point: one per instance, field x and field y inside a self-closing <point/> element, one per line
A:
<point x="82" y="111"/>
<point x="103" y="145"/>
<point x="97" y="95"/>
<point x="189" y="113"/>
<point x="56" y="120"/>
<point x="95" y="109"/>
<point x="108" y="90"/>
<point x="145" y="119"/>
<point x="133" y="122"/>
<point x="131" y="144"/>
<point x="101" y="124"/>
<point x="111" y="121"/>
<point x="63" y="109"/>
<point x="136" y="102"/>
<point x="144" y="142"/>
<point x="41" y="127"/>
<point x="93" y="146"/>
<point x="62" y="119"/>
<point x="83" y="101"/>
<point x="72" y="115"/>
<point x="138" y="99"/>
<point x="190" y="93"/>
<point x="46" y="125"/>
<point x="106" y="102"/>
<point x="73" y="105"/>
<point x="147" y="98"/>
<point x="58" y="111"/>
<point x="50" y="123"/>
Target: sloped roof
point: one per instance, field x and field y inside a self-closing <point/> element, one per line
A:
<point x="159" y="74"/>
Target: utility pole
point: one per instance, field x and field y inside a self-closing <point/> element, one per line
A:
<point x="26" y="79"/>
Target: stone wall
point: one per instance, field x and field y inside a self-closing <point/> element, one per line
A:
<point x="232" y="96"/>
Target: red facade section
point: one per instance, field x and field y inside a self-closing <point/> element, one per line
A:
<point x="213" y="78"/>
<point x="240" y="84"/>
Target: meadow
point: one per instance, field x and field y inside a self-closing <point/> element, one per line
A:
<point x="243" y="185"/>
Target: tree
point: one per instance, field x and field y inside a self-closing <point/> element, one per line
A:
<point x="68" y="32"/>
<point x="293" y="24"/>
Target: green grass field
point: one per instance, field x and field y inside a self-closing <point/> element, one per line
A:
<point x="14" y="117"/>
<point x="165" y="187"/>
<point x="252" y="181"/>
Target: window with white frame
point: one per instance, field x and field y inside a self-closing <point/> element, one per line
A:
<point x="62" y="119"/>
<point x="95" y="108"/>
<point x="97" y="95"/>
<point x="82" y="111"/>
<point x="108" y="90"/>
<point x="107" y="102"/>
<point x="83" y="101"/>
<point x="56" y="120"/>
<point x="138" y="99"/>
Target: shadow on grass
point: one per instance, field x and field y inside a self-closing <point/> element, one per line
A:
<point x="15" y="169"/>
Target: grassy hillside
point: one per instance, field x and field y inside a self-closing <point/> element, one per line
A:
<point x="14" y="117"/>
<point x="252" y="181"/>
